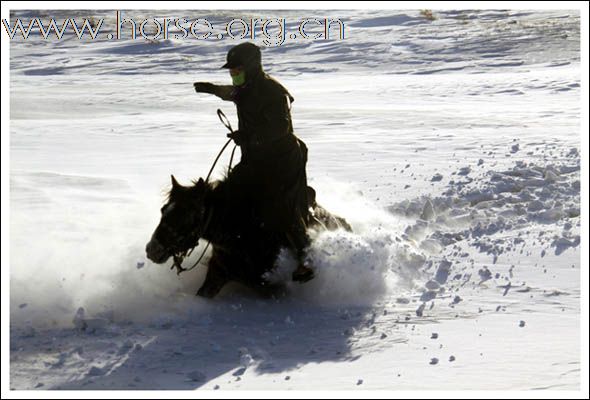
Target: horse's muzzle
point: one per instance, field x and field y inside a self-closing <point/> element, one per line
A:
<point x="156" y="252"/>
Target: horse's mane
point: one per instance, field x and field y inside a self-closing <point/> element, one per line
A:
<point x="210" y="187"/>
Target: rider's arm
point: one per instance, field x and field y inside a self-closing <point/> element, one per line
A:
<point x="224" y="92"/>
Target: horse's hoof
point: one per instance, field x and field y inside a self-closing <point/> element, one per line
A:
<point x="206" y="292"/>
<point x="303" y="274"/>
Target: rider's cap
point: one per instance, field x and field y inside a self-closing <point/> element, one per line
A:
<point x="243" y="55"/>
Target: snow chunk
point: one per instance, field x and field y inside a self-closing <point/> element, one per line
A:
<point x="436" y="177"/>
<point x="442" y="273"/>
<point x="464" y="171"/>
<point x="196" y="376"/>
<point x="562" y="244"/>
<point x="96" y="371"/>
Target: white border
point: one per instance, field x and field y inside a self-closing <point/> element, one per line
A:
<point x="304" y="5"/>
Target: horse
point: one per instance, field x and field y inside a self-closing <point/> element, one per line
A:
<point x="242" y="249"/>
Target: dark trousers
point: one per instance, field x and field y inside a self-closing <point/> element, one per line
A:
<point x="274" y="190"/>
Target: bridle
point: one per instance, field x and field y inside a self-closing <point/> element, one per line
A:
<point x="193" y="236"/>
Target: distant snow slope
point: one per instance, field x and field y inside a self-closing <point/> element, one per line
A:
<point x="452" y="146"/>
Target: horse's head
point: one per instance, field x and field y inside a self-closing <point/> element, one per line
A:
<point x="181" y="224"/>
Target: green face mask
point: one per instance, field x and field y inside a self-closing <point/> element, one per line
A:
<point x="239" y="79"/>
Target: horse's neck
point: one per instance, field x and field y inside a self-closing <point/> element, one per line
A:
<point x="216" y="211"/>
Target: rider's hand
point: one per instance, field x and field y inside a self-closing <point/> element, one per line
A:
<point x="237" y="136"/>
<point x="204" y="87"/>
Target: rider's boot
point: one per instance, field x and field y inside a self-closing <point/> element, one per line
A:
<point x="299" y="240"/>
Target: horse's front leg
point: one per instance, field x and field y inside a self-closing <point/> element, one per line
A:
<point x="215" y="280"/>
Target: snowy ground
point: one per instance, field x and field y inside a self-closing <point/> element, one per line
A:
<point x="452" y="146"/>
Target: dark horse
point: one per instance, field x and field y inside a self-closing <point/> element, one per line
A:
<point x="243" y="251"/>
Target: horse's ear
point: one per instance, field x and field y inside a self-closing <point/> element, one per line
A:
<point x="200" y="182"/>
<point x="174" y="182"/>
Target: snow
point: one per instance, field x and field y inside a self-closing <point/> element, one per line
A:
<point x="451" y="146"/>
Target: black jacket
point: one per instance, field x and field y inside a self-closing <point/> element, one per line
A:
<point x="263" y="106"/>
<point x="271" y="174"/>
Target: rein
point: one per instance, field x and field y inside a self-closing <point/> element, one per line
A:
<point x="180" y="256"/>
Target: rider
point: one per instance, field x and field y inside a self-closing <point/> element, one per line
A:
<point x="271" y="172"/>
